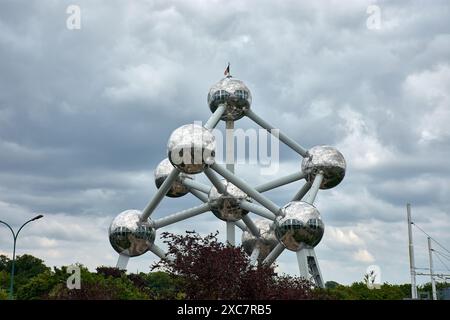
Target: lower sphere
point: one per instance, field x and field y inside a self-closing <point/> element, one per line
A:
<point x="129" y="236"/>
<point x="300" y="227"/>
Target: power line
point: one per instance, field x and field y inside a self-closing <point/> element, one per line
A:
<point x="437" y="242"/>
<point x="442" y="254"/>
<point x="442" y="262"/>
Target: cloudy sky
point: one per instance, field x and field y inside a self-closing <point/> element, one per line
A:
<point x="85" y="116"/>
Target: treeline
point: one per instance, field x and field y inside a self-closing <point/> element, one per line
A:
<point x="203" y="268"/>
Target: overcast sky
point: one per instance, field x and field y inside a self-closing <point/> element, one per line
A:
<point x="85" y="116"/>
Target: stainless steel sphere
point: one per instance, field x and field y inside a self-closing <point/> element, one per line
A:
<point x="234" y="94"/>
<point x="129" y="236"/>
<point x="301" y="227"/>
<point x="162" y="171"/>
<point x="226" y="206"/>
<point x="327" y="159"/>
<point x="266" y="243"/>
<point x="191" y="148"/>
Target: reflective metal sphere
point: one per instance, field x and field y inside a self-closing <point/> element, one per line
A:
<point x="129" y="236"/>
<point x="226" y="206"/>
<point x="301" y="227"/>
<point x="266" y="242"/>
<point x="161" y="173"/>
<point x="191" y="148"/>
<point x="234" y="94"/>
<point x="327" y="159"/>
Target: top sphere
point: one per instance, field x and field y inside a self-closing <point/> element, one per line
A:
<point x="129" y="236"/>
<point x="191" y="148"/>
<point x="328" y="160"/>
<point x="177" y="189"/>
<point x="300" y="227"/>
<point x="234" y="94"/>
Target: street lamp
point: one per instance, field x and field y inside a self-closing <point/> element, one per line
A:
<point x="15" y="235"/>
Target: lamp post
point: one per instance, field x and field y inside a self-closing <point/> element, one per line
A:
<point x="15" y="235"/>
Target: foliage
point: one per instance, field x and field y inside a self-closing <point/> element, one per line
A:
<point x="203" y="268"/>
<point x="4" y="279"/>
<point x="164" y="286"/>
<point x="96" y="286"/>
<point x="38" y="287"/>
<point x="208" y="269"/>
<point x="3" y="295"/>
<point x="26" y="267"/>
<point x="4" y="260"/>
<point x="360" y="291"/>
<point x="110" y="272"/>
<point x="331" y="284"/>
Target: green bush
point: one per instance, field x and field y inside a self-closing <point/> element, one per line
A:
<point x="3" y="295"/>
<point x="37" y="287"/>
<point x="98" y="287"/>
<point x="360" y="291"/>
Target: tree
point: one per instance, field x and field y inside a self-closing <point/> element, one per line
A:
<point x="4" y="279"/>
<point x="4" y="260"/>
<point x="26" y="267"/>
<point x="3" y="295"/>
<point x="163" y="285"/>
<point x="97" y="286"/>
<point x="38" y="287"/>
<point x="360" y="291"/>
<point x="331" y="284"/>
<point x="208" y="269"/>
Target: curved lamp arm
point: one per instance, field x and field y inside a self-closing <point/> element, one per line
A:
<point x="15" y="235"/>
<point x="31" y="220"/>
<point x="9" y="227"/>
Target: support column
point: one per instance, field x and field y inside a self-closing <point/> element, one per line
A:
<point x="180" y="216"/>
<point x="280" y="182"/>
<point x="122" y="262"/>
<point x="314" y="188"/>
<point x="192" y="184"/>
<point x="274" y="254"/>
<point x="159" y="252"/>
<point x="254" y="256"/>
<point x="257" y="209"/>
<point x="249" y="190"/>
<point x="251" y="226"/>
<point x="302" y="192"/>
<point x="412" y="266"/>
<point x="433" y="283"/>
<point x="281" y="136"/>
<point x="229" y="160"/>
<point x="160" y="194"/>
<point x="309" y="267"/>
<point x="215" y="117"/>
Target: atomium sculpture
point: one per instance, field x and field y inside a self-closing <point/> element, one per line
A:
<point x="296" y="226"/>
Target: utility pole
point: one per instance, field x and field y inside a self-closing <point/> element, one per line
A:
<point x="412" y="266"/>
<point x="433" y="283"/>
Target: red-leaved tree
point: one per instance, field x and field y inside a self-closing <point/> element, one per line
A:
<point x="209" y="269"/>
